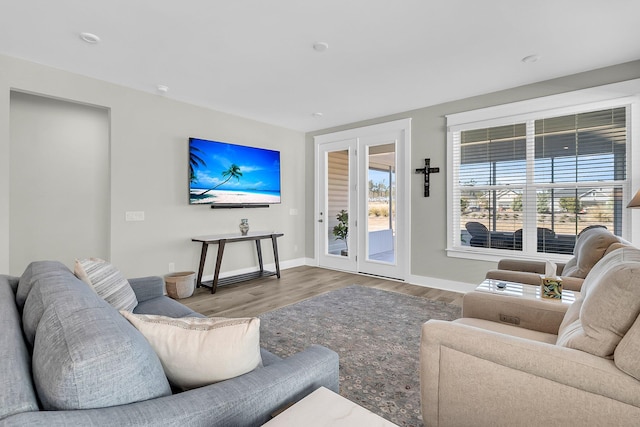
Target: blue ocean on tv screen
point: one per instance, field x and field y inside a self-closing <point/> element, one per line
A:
<point x="229" y="174"/>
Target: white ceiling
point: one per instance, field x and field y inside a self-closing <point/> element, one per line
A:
<point x="254" y="58"/>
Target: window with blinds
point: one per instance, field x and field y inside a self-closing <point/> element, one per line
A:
<point x="534" y="186"/>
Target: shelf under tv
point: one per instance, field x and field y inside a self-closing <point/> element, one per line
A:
<point x="239" y="278"/>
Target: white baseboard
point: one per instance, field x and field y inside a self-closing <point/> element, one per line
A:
<point x="444" y="284"/>
<point x="426" y="281"/>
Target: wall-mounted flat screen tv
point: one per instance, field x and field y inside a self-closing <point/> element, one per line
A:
<point x="230" y="175"/>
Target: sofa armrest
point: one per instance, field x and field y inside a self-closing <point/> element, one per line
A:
<point x="514" y="276"/>
<point x="247" y="400"/>
<point x="572" y="283"/>
<point x="529" y="266"/>
<point x="12" y="281"/>
<point x="471" y="376"/>
<point x="536" y="315"/>
<point x="146" y="288"/>
<point x="521" y="265"/>
<point x="569" y="283"/>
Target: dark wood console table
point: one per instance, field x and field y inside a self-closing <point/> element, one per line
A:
<point x="221" y="240"/>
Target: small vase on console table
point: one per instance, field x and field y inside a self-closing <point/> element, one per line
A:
<point x="244" y="226"/>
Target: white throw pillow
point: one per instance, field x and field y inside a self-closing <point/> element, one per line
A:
<point x="107" y="281"/>
<point x="197" y="351"/>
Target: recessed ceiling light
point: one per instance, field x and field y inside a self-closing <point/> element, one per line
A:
<point x="320" y="46"/>
<point x="90" y="38"/>
<point x="317" y="115"/>
<point x="162" y="89"/>
<point x="530" y="59"/>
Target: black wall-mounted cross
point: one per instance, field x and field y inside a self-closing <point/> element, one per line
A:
<point x="426" y="170"/>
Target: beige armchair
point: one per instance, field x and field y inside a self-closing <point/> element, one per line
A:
<point x="581" y="370"/>
<point x="591" y="245"/>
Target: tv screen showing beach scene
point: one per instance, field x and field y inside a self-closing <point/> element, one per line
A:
<point x="227" y="174"/>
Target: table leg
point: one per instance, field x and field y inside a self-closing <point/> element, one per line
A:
<point x="216" y="273"/>
<point x="275" y="254"/>
<point x="259" y="249"/>
<point x="203" y="256"/>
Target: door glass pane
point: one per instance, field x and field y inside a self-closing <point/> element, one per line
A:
<point x="381" y="203"/>
<point x="337" y="185"/>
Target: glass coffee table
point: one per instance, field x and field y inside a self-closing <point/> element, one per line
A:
<point x="520" y="290"/>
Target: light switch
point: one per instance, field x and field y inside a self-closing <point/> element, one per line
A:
<point x="134" y="216"/>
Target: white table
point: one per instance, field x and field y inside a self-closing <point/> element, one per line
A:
<point x="326" y="408"/>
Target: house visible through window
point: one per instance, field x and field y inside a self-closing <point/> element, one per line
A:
<point x="533" y="186"/>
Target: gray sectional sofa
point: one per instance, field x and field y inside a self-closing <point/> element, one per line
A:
<point x="69" y="358"/>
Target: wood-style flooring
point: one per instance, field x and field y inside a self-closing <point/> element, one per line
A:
<point x="255" y="297"/>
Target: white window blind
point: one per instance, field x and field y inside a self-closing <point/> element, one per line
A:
<point x="533" y="186"/>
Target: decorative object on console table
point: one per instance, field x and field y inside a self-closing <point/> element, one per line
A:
<point x="244" y="226"/>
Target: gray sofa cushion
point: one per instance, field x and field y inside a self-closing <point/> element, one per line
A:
<point x="33" y="311"/>
<point x="147" y="287"/>
<point x="34" y="271"/>
<point x="85" y="355"/>
<point x="15" y="367"/>
<point x="165" y="306"/>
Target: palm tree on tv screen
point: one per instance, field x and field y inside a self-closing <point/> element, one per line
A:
<point x="232" y="172"/>
<point x="194" y="161"/>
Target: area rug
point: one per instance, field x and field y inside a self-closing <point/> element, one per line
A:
<point x="377" y="335"/>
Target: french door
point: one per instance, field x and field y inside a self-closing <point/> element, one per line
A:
<point x="361" y="188"/>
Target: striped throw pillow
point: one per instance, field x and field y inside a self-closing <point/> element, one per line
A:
<point x="106" y="281"/>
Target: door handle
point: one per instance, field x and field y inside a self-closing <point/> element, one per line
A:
<point x="320" y="220"/>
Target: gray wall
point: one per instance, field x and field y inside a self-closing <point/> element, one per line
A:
<point x="428" y="140"/>
<point x="59" y="175"/>
<point x="148" y="172"/>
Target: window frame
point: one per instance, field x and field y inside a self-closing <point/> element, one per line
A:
<point x="598" y="98"/>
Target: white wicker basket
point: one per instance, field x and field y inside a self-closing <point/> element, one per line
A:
<point x="181" y="284"/>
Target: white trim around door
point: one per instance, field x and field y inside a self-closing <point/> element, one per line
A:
<point x="358" y="144"/>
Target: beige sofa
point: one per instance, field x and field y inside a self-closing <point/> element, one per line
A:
<point x="583" y="370"/>
<point x="591" y="245"/>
